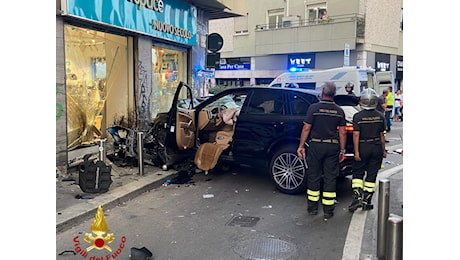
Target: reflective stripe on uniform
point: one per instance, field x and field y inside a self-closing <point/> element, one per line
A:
<point x="313" y="195"/>
<point x="357" y="183"/>
<point x="328" y="202"/>
<point x="328" y="198"/>
<point x="369" y="186"/>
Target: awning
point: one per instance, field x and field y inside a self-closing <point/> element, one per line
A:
<point x="213" y="8"/>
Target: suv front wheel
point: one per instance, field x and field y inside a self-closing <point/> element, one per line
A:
<point x="288" y="171"/>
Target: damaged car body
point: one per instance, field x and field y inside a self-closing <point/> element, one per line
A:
<point x="255" y="126"/>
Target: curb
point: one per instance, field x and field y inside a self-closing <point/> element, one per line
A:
<point x="71" y="216"/>
<point x="355" y="234"/>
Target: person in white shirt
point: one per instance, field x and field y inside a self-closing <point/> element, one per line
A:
<point x="398" y="104"/>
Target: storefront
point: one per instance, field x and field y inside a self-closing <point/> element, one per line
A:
<point x="122" y="61"/>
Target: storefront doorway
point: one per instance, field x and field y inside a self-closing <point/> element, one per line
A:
<point x="98" y="89"/>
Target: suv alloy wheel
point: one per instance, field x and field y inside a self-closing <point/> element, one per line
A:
<point x="288" y="171"/>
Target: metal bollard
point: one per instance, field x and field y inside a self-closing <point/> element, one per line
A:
<point x="383" y="212"/>
<point x="394" y="238"/>
<point x="102" y="152"/>
<point x="140" y="152"/>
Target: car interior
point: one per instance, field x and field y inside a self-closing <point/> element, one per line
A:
<point x="215" y="128"/>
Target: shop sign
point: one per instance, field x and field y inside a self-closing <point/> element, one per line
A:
<point x="168" y="19"/>
<point x="234" y="67"/>
<point x="383" y="66"/>
<point x="382" y="62"/>
<point x="300" y="61"/>
<point x="399" y="67"/>
<point x="205" y="73"/>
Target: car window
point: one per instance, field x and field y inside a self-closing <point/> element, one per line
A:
<point x="291" y="85"/>
<point x="299" y="105"/>
<point x="307" y="85"/>
<point x="266" y="102"/>
<point x="233" y="100"/>
<point x="184" y="98"/>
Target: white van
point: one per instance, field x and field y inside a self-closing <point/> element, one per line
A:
<point x="360" y="77"/>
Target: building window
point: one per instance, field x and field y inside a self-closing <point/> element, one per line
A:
<point x="275" y="18"/>
<point x="264" y="81"/>
<point x="316" y="13"/>
<point x="241" y="25"/>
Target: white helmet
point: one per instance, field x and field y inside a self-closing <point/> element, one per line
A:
<point x="368" y="99"/>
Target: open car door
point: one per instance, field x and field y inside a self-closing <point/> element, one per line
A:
<point x="182" y="117"/>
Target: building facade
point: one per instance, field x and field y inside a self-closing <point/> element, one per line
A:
<point x="119" y="62"/>
<point x="278" y="36"/>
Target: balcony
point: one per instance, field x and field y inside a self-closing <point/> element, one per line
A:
<point x="295" y="35"/>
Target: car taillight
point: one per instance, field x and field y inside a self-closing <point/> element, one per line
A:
<point x="349" y="128"/>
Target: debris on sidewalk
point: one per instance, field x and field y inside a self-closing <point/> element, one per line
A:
<point x="399" y="151"/>
<point x="67" y="251"/>
<point x="140" y="253"/>
<point x="183" y="177"/>
<point x="84" y="196"/>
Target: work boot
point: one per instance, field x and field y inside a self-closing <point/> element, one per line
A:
<point x="328" y="215"/>
<point x="312" y="207"/>
<point x="328" y="211"/>
<point x="357" y="200"/>
<point x="367" y="200"/>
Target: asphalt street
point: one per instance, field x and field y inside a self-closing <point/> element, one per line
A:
<point x="237" y="215"/>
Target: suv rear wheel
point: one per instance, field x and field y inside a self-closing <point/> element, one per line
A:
<point x="288" y="171"/>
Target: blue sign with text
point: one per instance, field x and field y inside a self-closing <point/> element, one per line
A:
<point x="234" y="67"/>
<point x="168" y="19"/>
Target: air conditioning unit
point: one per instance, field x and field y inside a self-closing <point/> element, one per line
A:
<point x="291" y="21"/>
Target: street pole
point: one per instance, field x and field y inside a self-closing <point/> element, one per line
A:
<point x="394" y="238"/>
<point x="382" y="218"/>
<point x="140" y="152"/>
<point x="102" y="152"/>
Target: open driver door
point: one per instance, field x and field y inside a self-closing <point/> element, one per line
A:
<point x="183" y="117"/>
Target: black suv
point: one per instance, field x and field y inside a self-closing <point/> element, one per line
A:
<point x="255" y="126"/>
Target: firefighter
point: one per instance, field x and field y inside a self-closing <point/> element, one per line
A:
<point x="326" y="150"/>
<point x="369" y="147"/>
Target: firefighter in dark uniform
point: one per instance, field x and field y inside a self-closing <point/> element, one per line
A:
<point x="326" y="150"/>
<point x="369" y="147"/>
